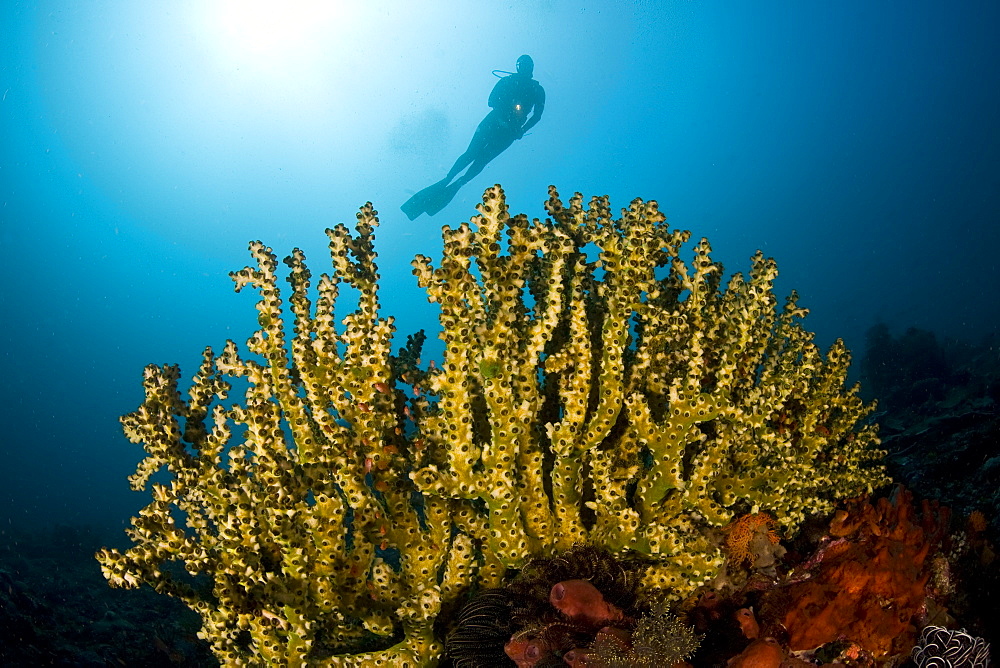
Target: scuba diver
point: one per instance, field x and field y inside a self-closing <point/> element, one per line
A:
<point x="514" y="97"/>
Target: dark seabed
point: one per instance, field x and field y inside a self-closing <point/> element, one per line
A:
<point x="143" y="145"/>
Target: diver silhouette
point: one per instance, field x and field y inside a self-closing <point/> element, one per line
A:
<point x="514" y="97"/>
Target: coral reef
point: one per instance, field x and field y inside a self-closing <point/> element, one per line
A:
<point x="856" y="592"/>
<point x="868" y="582"/>
<point x="659" y="639"/>
<point x="581" y="608"/>
<point x="908" y="369"/>
<point x="943" y="444"/>
<point x="57" y="610"/>
<point x="939" y="646"/>
<point x="940" y="421"/>
<point x="751" y="537"/>
<point x="630" y="401"/>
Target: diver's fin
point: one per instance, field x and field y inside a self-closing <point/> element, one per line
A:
<point x="413" y="207"/>
<point x="440" y="198"/>
<point x="423" y="200"/>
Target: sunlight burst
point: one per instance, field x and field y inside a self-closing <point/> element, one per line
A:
<point x="276" y="33"/>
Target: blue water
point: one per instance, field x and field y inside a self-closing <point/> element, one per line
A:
<point x="143" y="144"/>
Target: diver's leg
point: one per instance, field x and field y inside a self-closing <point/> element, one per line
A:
<point x="480" y="143"/>
<point x="477" y="166"/>
<point x="463" y="161"/>
<point x="486" y="156"/>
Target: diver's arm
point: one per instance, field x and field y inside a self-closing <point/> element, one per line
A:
<point x="536" y="112"/>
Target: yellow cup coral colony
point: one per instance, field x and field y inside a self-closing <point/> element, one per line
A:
<point x="594" y="388"/>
